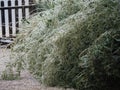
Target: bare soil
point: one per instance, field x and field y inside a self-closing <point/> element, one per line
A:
<point x="27" y="82"/>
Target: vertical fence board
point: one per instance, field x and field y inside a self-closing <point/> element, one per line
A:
<point x="6" y="19"/>
<point x="13" y="19"/>
<point x="20" y="11"/>
<point x="27" y="9"/>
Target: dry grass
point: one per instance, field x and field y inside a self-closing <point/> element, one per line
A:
<point x="26" y="81"/>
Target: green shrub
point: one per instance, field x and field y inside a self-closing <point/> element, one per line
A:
<point x="64" y="51"/>
<point x="99" y="64"/>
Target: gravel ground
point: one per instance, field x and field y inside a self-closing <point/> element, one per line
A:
<point x="27" y="82"/>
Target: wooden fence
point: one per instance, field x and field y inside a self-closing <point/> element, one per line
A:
<point x="11" y="14"/>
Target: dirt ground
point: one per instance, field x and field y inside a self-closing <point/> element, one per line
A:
<point x="27" y="82"/>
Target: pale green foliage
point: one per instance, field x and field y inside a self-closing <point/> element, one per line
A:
<point x="57" y="44"/>
<point x="10" y="73"/>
